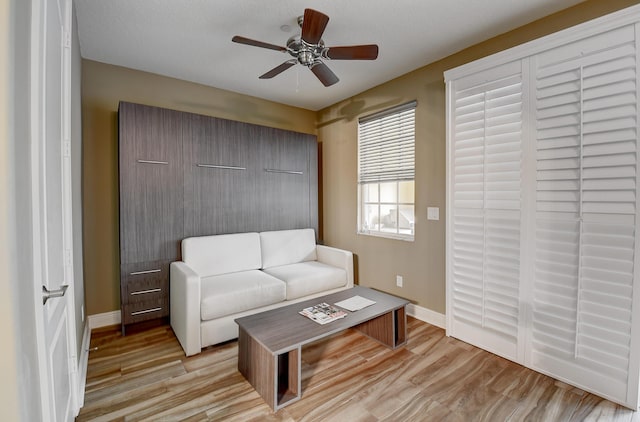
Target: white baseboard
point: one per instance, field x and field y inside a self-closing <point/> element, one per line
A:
<point x="113" y="318"/>
<point x="83" y="363"/>
<point x="427" y="315"/>
<point x="104" y="320"/>
<point x="93" y="321"/>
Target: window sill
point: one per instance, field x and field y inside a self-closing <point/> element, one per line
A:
<point x="394" y="236"/>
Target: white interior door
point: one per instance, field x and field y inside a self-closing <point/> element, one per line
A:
<point x="51" y="219"/>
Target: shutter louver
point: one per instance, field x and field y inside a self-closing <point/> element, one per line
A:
<point x="486" y="184"/>
<point x="586" y="211"/>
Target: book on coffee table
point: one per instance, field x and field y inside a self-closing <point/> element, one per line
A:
<point x="323" y="313"/>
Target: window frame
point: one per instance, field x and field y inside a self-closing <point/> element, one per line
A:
<point x="400" y="173"/>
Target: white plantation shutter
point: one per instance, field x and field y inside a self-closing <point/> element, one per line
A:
<point x="485" y="188"/>
<point x="386" y="140"/>
<point x="586" y="142"/>
<point x="542" y="205"/>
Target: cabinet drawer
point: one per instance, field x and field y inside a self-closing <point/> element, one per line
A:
<point x="144" y="271"/>
<point x="143" y="311"/>
<point x="142" y="281"/>
<point x="145" y="288"/>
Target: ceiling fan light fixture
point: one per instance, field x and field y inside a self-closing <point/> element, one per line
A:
<point x="306" y="57"/>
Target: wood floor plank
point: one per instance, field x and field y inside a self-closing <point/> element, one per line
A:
<point x="347" y="377"/>
<point x="421" y="407"/>
<point x="132" y="381"/>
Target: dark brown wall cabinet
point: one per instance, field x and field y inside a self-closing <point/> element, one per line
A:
<point x="183" y="174"/>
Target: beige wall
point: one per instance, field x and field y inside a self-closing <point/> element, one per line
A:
<point x="103" y="86"/>
<point x="9" y="361"/>
<point x="422" y="262"/>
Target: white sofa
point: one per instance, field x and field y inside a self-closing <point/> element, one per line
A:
<point x="224" y="277"/>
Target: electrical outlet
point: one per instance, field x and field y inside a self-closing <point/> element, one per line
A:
<point x="399" y="280"/>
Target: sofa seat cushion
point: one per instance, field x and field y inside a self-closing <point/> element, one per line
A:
<point x="306" y="278"/>
<point x="227" y="294"/>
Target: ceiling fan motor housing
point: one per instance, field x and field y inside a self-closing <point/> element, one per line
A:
<point x="306" y="54"/>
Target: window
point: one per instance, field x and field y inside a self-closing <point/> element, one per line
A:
<point x="386" y="173"/>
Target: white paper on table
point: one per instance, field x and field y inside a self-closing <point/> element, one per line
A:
<point x="354" y="303"/>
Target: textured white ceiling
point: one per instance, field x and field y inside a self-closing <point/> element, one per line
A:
<point x="191" y="39"/>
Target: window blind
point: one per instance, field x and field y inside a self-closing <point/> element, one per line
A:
<point x="386" y="150"/>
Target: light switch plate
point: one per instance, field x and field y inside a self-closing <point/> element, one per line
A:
<point x="433" y="213"/>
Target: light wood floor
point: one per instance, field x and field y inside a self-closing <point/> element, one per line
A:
<point x="347" y="377"/>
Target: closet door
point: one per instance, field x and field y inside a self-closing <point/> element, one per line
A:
<point x="484" y="202"/>
<point x="586" y="215"/>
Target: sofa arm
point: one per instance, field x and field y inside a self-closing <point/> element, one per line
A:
<point x="184" y="304"/>
<point x="337" y="258"/>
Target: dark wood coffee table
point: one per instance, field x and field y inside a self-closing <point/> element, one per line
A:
<point x="270" y="343"/>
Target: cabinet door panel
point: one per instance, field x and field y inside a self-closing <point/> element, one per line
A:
<point x="285" y="192"/>
<point x="150" y="183"/>
<point x="241" y="177"/>
<point x="218" y="173"/>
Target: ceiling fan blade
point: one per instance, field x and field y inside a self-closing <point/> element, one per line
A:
<point x="356" y="52"/>
<point x="255" y="43"/>
<point x="313" y="25"/>
<point x="278" y="70"/>
<point x="326" y="76"/>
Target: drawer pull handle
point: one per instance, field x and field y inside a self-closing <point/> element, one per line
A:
<point x="142" y="292"/>
<point x="153" y="162"/>
<point x="146" y="311"/>
<point x="283" y="171"/>
<point x="157" y="270"/>
<point x="215" y="166"/>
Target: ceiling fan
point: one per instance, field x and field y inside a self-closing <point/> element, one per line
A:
<point x="308" y="49"/>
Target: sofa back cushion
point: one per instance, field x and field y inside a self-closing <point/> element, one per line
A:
<point x="222" y="254"/>
<point x="285" y="247"/>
